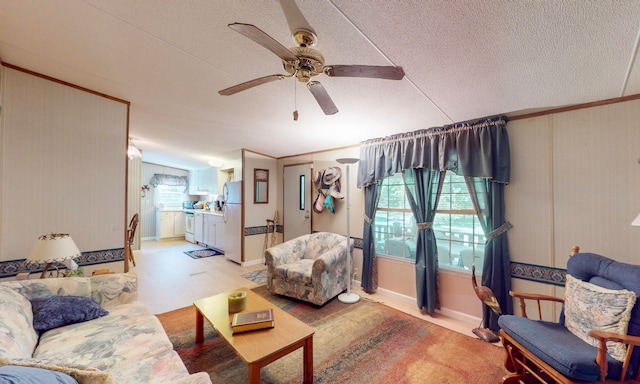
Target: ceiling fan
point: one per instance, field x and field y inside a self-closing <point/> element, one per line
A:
<point x="303" y="61"/>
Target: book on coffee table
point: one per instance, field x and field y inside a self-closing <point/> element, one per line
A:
<point x="249" y="321"/>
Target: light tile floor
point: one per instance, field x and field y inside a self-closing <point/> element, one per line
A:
<point x="168" y="279"/>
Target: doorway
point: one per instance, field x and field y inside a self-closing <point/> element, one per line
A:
<point x="297" y="200"/>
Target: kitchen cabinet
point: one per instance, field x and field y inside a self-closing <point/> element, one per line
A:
<point x="214" y="231"/>
<point x="231" y="171"/>
<point x="169" y="224"/>
<point x="203" y="181"/>
<point x="179" y="224"/>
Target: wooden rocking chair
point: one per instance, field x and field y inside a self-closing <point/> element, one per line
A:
<point x="539" y="351"/>
<point x="131" y="232"/>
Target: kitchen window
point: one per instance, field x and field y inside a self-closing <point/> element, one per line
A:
<point x="169" y="196"/>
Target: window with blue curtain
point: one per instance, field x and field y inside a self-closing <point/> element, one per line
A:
<point x="458" y="232"/>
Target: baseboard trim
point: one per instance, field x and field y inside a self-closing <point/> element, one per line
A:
<point x="252" y="262"/>
<point x="453" y="314"/>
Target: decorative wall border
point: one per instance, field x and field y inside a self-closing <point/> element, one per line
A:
<point x="538" y="273"/>
<point x="13" y="267"/>
<point x="262" y="229"/>
<point x="531" y="272"/>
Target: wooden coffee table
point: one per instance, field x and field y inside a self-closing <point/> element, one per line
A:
<point x="261" y="347"/>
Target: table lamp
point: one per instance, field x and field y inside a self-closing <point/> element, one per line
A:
<point x="53" y="248"/>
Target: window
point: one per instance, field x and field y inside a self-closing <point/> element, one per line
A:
<point x="459" y="236"/>
<point x="458" y="232"/>
<point x="170" y="196"/>
<point x="394" y="226"/>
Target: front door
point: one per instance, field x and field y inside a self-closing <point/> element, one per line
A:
<point x="297" y="200"/>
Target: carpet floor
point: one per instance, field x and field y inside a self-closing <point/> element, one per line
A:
<point x="259" y="277"/>
<point x="365" y="342"/>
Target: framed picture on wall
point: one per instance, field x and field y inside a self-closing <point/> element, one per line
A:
<point x="260" y="186"/>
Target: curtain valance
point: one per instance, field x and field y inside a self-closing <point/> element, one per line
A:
<point x="478" y="148"/>
<point x="172" y="180"/>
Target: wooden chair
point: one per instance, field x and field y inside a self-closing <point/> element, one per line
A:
<point x="131" y="232"/>
<point x="529" y="367"/>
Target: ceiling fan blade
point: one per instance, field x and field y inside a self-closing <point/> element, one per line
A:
<point x="296" y="20"/>
<point x="257" y="35"/>
<point x="374" y="71"/>
<point x="322" y="97"/>
<point x="250" y="84"/>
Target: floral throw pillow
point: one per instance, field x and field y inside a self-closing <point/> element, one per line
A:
<point x="590" y="307"/>
<point x="55" y="311"/>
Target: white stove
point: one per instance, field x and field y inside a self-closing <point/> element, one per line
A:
<point x="189" y="226"/>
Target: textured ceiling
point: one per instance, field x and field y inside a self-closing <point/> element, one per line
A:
<point x="462" y="59"/>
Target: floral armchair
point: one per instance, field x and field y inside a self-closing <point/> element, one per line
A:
<point x="311" y="267"/>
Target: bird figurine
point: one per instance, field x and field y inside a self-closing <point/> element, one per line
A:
<point x="485" y="294"/>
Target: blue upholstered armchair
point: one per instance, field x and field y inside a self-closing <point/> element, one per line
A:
<point x="311" y="267"/>
<point x="598" y="327"/>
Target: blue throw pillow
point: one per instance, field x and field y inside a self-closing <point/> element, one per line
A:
<point x="10" y="374"/>
<point x="55" y="311"/>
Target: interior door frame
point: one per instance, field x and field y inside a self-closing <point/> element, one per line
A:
<point x="308" y="195"/>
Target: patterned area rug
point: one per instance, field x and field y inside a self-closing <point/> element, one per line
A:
<point x="259" y="277"/>
<point x="202" y="253"/>
<point x="364" y="342"/>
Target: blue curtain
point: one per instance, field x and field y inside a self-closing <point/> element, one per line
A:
<point x="423" y="188"/>
<point x="478" y="148"/>
<point x="369" y="278"/>
<point x="488" y="201"/>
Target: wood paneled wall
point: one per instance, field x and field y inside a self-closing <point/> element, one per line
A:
<point x="63" y="165"/>
<point x="134" y="195"/>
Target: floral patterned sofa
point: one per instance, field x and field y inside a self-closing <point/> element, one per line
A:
<point x="127" y="345"/>
<point x="311" y="267"/>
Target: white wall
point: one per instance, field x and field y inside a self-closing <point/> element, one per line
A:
<point x="256" y="215"/>
<point x="63" y="165"/>
<point x="575" y="180"/>
<point x="134" y="195"/>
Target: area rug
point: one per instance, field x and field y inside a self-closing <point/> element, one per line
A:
<point x="202" y="253"/>
<point x="259" y="277"/>
<point x="365" y="342"/>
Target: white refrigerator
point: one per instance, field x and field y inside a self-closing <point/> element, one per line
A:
<point x="232" y="214"/>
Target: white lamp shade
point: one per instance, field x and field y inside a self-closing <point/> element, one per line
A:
<point x="55" y="247"/>
<point x="636" y="221"/>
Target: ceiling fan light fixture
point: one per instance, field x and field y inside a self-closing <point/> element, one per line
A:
<point x="303" y="75"/>
<point x="305" y="38"/>
<point x="133" y="152"/>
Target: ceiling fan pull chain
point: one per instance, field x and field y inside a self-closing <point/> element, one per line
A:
<point x="295" y="100"/>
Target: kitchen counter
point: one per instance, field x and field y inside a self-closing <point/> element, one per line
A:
<point x="204" y="211"/>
